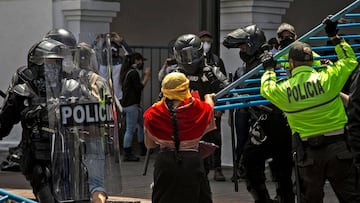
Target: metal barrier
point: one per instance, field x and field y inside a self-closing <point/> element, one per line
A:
<point x="253" y="97"/>
<point x="9" y="197"/>
<point x="156" y="56"/>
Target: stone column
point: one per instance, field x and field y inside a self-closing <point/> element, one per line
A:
<point x="267" y="14"/>
<point x="85" y="18"/>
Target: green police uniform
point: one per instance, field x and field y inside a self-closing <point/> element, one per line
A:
<point x="286" y="64"/>
<point x="310" y="98"/>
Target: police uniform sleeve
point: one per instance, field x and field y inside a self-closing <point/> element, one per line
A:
<point x="270" y="89"/>
<point x="342" y="68"/>
<point x="347" y="58"/>
<point x="219" y="62"/>
<point x="216" y="78"/>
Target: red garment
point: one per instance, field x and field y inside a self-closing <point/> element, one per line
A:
<point x="192" y="120"/>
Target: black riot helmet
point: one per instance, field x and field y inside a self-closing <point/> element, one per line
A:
<point x="45" y="62"/>
<point x="43" y="50"/>
<point x="188" y="52"/>
<point x="67" y="38"/>
<point x="85" y="57"/>
<point x="62" y="35"/>
<point x="250" y="35"/>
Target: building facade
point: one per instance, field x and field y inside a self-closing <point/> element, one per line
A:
<point x="146" y="23"/>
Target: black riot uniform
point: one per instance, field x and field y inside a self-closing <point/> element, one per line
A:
<point x="28" y="102"/>
<point x="25" y="103"/>
<point x="269" y="134"/>
<point x="20" y="77"/>
<point x="204" y="78"/>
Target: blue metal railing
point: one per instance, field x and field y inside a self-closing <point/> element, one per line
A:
<point x="156" y="55"/>
<point x="256" y="99"/>
<point x="9" y="197"/>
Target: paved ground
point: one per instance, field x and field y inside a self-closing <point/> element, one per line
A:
<point x="136" y="187"/>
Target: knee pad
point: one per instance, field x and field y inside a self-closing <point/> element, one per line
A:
<point x="39" y="178"/>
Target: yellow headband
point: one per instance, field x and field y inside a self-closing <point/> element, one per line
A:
<point x="175" y="86"/>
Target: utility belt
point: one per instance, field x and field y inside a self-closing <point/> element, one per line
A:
<point x="323" y="139"/>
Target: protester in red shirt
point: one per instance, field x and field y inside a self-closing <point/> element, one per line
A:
<point x="177" y="123"/>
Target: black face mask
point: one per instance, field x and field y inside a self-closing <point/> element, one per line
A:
<point x="286" y="41"/>
<point x="246" y="57"/>
<point x="140" y="66"/>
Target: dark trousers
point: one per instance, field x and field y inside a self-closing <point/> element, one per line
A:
<point x="332" y="162"/>
<point x="242" y="131"/>
<point x="179" y="182"/>
<point x="278" y="147"/>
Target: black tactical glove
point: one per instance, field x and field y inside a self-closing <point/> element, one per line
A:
<point x="330" y="27"/>
<point x="267" y="60"/>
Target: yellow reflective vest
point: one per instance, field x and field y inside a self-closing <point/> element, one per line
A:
<point x="310" y="98"/>
<point x="285" y="65"/>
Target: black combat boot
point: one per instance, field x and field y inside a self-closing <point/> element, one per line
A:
<point x="129" y="156"/>
<point x="143" y="149"/>
<point x="45" y="195"/>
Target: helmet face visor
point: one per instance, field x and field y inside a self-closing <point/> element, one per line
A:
<point x="187" y="55"/>
<point x="45" y="49"/>
<point x="53" y="71"/>
<point x="85" y="58"/>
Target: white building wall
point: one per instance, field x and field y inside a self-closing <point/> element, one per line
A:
<point x="22" y="24"/>
<point x="267" y="15"/>
<point x="25" y="22"/>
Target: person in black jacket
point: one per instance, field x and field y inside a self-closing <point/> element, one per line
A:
<point x="212" y="59"/>
<point x="269" y="135"/>
<point x="204" y="78"/>
<point x="132" y="86"/>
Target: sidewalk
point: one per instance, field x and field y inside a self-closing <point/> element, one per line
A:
<point x="136" y="187"/>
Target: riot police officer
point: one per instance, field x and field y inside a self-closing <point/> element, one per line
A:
<point x="321" y="148"/>
<point x="59" y="34"/>
<point x="67" y="38"/>
<point x="265" y="140"/>
<point x="188" y="52"/>
<point x="36" y="98"/>
<point x="81" y="65"/>
<point x="25" y="103"/>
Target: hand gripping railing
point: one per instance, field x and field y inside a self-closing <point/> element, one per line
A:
<point x="255" y="100"/>
<point x="9" y="197"/>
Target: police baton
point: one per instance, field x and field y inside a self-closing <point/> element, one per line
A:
<point x="146" y="164"/>
<point x="298" y="154"/>
<point x="231" y="114"/>
<point x="297" y="178"/>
